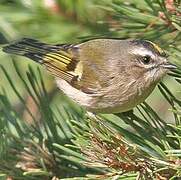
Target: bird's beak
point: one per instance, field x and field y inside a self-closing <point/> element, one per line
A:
<point x="169" y="66"/>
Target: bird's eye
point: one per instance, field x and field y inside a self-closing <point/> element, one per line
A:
<point x="146" y="59"/>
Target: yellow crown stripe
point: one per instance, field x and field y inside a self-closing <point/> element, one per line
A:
<point x="160" y="50"/>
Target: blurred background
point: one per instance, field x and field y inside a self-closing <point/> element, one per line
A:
<point x="60" y="21"/>
<point x="43" y="133"/>
<point x="49" y="21"/>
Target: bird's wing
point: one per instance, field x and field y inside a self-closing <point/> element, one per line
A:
<point x="58" y="59"/>
<point x="98" y="65"/>
<point x="87" y="66"/>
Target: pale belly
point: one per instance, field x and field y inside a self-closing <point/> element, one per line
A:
<point x="104" y="104"/>
<point x="124" y="104"/>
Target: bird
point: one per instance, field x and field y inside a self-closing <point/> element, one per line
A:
<point x="103" y="75"/>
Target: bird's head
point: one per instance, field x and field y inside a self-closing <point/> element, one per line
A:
<point x="148" y="60"/>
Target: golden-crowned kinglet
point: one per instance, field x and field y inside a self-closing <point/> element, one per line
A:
<point x="103" y="75"/>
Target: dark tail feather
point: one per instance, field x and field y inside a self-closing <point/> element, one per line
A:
<point x="56" y="58"/>
<point x="30" y="48"/>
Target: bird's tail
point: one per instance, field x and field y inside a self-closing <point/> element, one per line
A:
<point x="58" y="59"/>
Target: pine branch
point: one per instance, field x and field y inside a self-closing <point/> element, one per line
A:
<point x="63" y="141"/>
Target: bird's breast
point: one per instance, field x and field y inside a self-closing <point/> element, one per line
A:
<point x="121" y="98"/>
<point x="117" y="98"/>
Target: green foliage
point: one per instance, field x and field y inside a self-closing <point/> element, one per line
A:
<point x="68" y="143"/>
<point x="62" y="140"/>
<point x="158" y="21"/>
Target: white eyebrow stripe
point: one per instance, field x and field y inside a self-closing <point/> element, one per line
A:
<point x="142" y="52"/>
